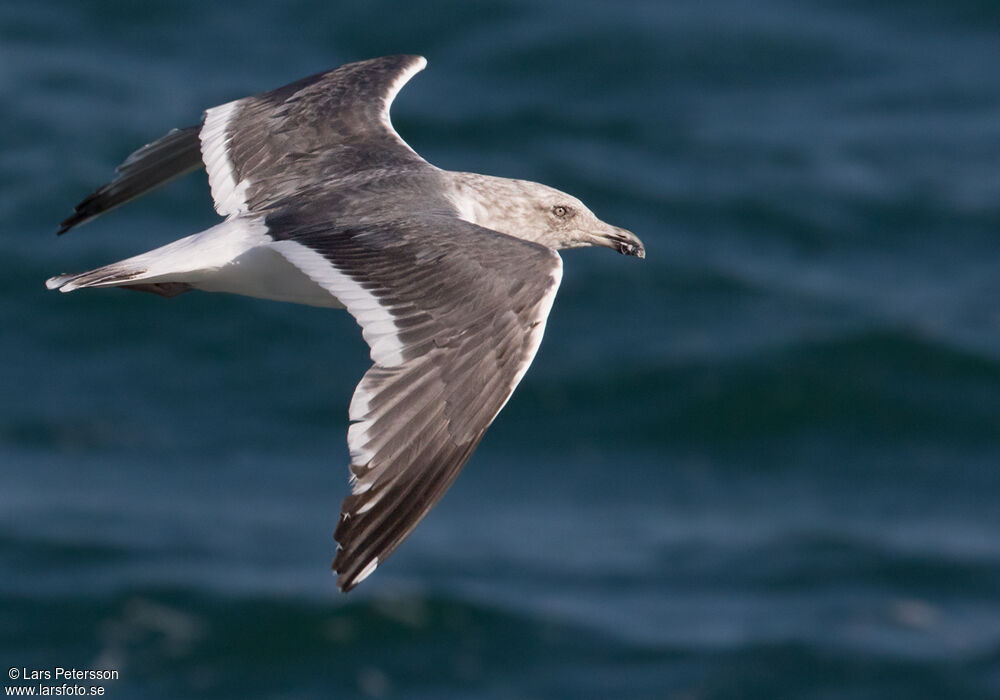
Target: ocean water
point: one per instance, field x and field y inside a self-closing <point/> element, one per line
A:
<point x="762" y="463"/>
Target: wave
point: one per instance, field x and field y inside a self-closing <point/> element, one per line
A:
<point x="177" y="642"/>
<point x="892" y="384"/>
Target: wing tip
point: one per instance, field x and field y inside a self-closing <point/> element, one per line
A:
<point x="412" y="61"/>
<point x="87" y="209"/>
<point x="66" y="224"/>
<point x="417" y="63"/>
<point x="405" y="66"/>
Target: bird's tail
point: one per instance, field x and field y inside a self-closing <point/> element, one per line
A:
<point x="119" y="274"/>
<point x="113" y="275"/>
<point x="167" y="270"/>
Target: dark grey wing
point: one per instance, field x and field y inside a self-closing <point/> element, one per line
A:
<point x="328" y="128"/>
<point x="155" y="164"/>
<point x="454" y="314"/>
<point x="331" y="128"/>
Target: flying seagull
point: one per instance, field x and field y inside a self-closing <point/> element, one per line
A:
<point x="450" y="275"/>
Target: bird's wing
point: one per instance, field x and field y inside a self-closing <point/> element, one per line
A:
<point x="332" y="128"/>
<point x="155" y="164"/>
<point x="453" y="314"/>
<point x="328" y="128"/>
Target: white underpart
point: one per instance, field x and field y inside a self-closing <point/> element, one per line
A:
<point x="397" y="85"/>
<point x="228" y="194"/>
<point x="194" y="259"/>
<point x="236" y="256"/>
<point x="239" y="257"/>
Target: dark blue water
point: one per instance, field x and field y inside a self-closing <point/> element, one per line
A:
<point x="762" y="463"/>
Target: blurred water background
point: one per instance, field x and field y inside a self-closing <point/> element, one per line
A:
<point x="762" y="463"/>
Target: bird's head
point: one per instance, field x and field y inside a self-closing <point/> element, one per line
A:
<point x="565" y="222"/>
<point x="538" y="213"/>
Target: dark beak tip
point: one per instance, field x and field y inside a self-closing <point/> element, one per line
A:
<point x="628" y="248"/>
<point x="625" y="242"/>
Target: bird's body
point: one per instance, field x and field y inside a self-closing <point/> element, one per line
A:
<point x="451" y="276"/>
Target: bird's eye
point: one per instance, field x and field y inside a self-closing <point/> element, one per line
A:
<point x="560" y="211"/>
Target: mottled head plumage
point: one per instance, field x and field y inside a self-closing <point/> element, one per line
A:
<point x="535" y="212"/>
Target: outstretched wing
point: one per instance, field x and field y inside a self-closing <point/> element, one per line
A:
<point x="454" y="314"/>
<point x="155" y="164"/>
<point x="329" y="127"/>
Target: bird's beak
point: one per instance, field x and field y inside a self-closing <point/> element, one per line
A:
<point x="625" y="242"/>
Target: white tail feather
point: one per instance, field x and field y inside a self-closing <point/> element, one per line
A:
<point x="237" y="257"/>
<point x="188" y="260"/>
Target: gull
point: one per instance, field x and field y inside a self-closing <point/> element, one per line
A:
<point x="451" y="275"/>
